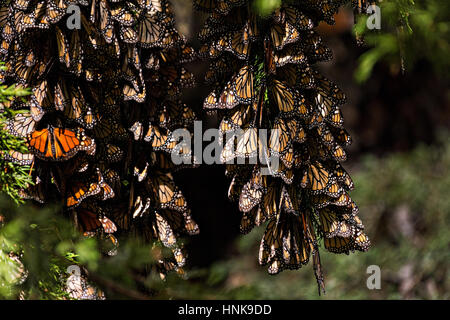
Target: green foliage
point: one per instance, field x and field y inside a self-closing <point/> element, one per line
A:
<point x="266" y="7"/>
<point x="410" y="31"/>
<point x="13" y="177"/>
<point x="47" y="243"/>
<point x="403" y="200"/>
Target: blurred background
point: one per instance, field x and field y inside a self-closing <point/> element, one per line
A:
<point x="398" y="114"/>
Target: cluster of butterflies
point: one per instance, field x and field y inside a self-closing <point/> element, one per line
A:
<point x="99" y="120"/>
<point x="106" y="98"/>
<point x="262" y="77"/>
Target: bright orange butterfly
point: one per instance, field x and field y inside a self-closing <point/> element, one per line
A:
<point x="58" y="144"/>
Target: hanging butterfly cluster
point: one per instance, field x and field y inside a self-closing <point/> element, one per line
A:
<point x="105" y="99"/>
<point x="262" y="77"/>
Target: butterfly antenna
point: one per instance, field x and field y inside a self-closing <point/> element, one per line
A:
<point x="31" y="168"/>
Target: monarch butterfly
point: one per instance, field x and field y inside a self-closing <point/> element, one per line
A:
<point x="343" y="176"/>
<point x="162" y="160"/>
<point x="327" y="9"/>
<point x="73" y="104"/>
<point x="286" y="99"/>
<point x="248" y="144"/>
<point x="315" y="49"/>
<point x="175" y="113"/>
<point x="326" y="99"/>
<point x="270" y="246"/>
<point x="205" y="5"/>
<point x="297" y="75"/>
<point x="121" y="15"/>
<point x="23" y="74"/>
<point x="316" y="177"/>
<point x="37" y="192"/>
<point x="179" y="256"/>
<point x="284" y="172"/>
<point x="338" y="244"/>
<point x="153" y="6"/>
<point x="106" y="191"/>
<point x="131" y="67"/>
<point x="41" y="99"/>
<point x="8" y="33"/>
<point x="30" y="58"/>
<point x="269" y="60"/>
<point x="79" y="191"/>
<point x="4" y="15"/>
<point x="289" y="201"/>
<point x="271" y="203"/>
<point x="362" y="242"/>
<point x="164" y="230"/>
<point x="150" y="31"/>
<point x="21" y="4"/>
<point x="58" y="144"/>
<point x="251" y="30"/>
<point x="130" y="93"/>
<point x="63" y="47"/>
<point x="238" y="90"/>
<point x="4" y="47"/>
<point x="329" y="89"/>
<point x="325" y="135"/>
<point x="108" y="225"/>
<point x="24" y="159"/>
<point x="333" y="225"/>
<point x="337" y="152"/>
<point x="177" y="222"/>
<point x="166" y="194"/>
<point x="343" y="200"/>
<point x="158" y="137"/>
<point x="297" y="132"/>
<point x="241" y="86"/>
<point x="140" y="208"/>
<point x="75" y="53"/>
<point x="107" y="128"/>
<point x="292" y="54"/>
<point x="235" y="188"/>
<point x="104" y="17"/>
<point x="55" y="11"/>
<point x="113" y="179"/>
<point x="283" y="34"/>
<point x="137" y="130"/>
<point x="239" y="118"/>
<point x="235" y="44"/>
<point x="141" y="174"/>
<point x="21" y="125"/>
<point x="90" y="221"/>
<point x="284" y="244"/>
<point x="153" y="63"/>
<point x="210" y="29"/>
<point x="342" y="136"/>
<point x="280" y="138"/>
<point x="335" y="118"/>
<point x="164" y="266"/>
<point x="111" y="153"/>
<point x="334" y="189"/>
<point x="23" y="21"/>
<point x="250" y="197"/>
<point x="293" y="16"/>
